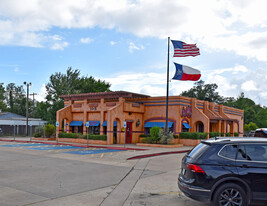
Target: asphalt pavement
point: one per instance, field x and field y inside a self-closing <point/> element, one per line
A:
<point x="53" y="177"/>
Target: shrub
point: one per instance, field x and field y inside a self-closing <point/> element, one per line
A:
<point x="163" y="136"/>
<point x="144" y="140"/>
<point x="50" y="130"/>
<point x="81" y="136"/>
<point x="193" y="135"/>
<point x="236" y="134"/>
<point x="222" y="134"/>
<point x="154" y="133"/>
<point x="144" y="135"/>
<point x="175" y="136"/>
<point x="214" y="134"/>
<point x="95" y="137"/>
<point x="39" y="131"/>
<point x="228" y="134"/>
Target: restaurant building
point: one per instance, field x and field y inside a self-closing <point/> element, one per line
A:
<point x="106" y="113"/>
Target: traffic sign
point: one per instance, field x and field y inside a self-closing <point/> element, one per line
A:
<point x="57" y="124"/>
<point x="87" y="124"/>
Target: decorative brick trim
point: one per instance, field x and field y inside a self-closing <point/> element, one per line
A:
<point x="135" y="105"/>
<point x="93" y="105"/>
<point x="77" y="105"/>
<point x="110" y="104"/>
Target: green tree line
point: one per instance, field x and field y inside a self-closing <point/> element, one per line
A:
<point x="13" y="97"/>
<point x="255" y="115"/>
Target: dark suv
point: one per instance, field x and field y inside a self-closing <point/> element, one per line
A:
<point x="226" y="171"/>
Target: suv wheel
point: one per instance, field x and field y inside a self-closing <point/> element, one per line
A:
<point x="230" y="194"/>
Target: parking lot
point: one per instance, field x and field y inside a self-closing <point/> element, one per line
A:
<point x="45" y="174"/>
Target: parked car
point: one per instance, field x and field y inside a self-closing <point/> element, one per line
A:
<point x="261" y="132"/>
<point x="251" y="133"/>
<point x="226" y="171"/>
<point x="1" y="132"/>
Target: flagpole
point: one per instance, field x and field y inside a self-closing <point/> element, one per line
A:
<point x="167" y="93"/>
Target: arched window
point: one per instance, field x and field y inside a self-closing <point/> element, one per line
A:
<point x="199" y="127"/>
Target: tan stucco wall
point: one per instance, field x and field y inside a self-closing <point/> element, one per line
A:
<point x="225" y="119"/>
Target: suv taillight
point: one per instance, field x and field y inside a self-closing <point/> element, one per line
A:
<point x="195" y="168"/>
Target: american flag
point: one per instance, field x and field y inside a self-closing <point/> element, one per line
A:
<point x="182" y="49"/>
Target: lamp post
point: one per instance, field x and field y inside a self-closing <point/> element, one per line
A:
<point x="27" y="106"/>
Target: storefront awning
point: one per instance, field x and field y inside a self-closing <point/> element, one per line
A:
<point x="157" y="124"/>
<point x="76" y="123"/>
<point x="105" y="123"/>
<point x="94" y="123"/>
<point x="187" y="126"/>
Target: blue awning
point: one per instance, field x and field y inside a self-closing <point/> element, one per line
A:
<point x="187" y="126"/>
<point x="105" y="123"/>
<point x="76" y="123"/>
<point x="158" y="124"/>
<point x="94" y="123"/>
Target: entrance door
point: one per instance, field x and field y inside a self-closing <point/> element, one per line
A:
<point x="129" y="133"/>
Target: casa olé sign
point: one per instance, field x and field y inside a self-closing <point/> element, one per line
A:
<point x="186" y="112"/>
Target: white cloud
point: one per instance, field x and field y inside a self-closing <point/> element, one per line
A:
<point x="112" y="43"/>
<point x="86" y="40"/>
<point x="59" y="46"/>
<point x="41" y="94"/>
<point x="133" y="47"/>
<point x="249" y="86"/>
<point x="238" y="26"/>
<point x="16" y="69"/>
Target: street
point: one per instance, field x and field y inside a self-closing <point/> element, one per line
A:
<point x="31" y="176"/>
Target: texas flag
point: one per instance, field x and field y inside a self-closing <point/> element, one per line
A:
<point x="185" y="73"/>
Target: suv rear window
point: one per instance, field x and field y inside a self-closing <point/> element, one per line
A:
<point x="197" y="151"/>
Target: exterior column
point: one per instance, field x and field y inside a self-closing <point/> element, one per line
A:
<point x="109" y="124"/>
<point x="102" y="116"/>
<point x="224" y="127"/>
<point x="220" y="126"/>
<point x="84" y="116"/>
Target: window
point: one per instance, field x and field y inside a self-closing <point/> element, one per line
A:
<point x="229" y="151"/>
<point x="252" y="152"/>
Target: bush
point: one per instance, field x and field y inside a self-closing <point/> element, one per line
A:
<point x="236" y="134"/>
<point x="81" y="136"/>
<point x="70" y="135"/>
<point x="228" y="134"/>
<point x="163" y="136"/>
<point x="193" y="135"/>
<point x="154" y="133"/>
<point x="214" y="134"/>
<point x="39" y="131"/>
<point x="144" y="135"/>
<point x="175" y="136"/>
<point x="50" y="130"/>
<point x="95" y="137"/>
<point x="222" y="134"/>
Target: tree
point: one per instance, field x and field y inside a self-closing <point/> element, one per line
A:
<point x="2" y="97"/>
<point x="63" y="84"/>
<point x="204" y="92"/>
<point x="261" y="118"/>
<point x="69" y="83"/>
<point x="15" y="98"/>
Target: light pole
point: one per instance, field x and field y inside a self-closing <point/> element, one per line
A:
<point x="27" y="106"/>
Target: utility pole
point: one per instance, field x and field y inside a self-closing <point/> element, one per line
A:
<point x="33" y="100"/>
<point x="27" y="107"/>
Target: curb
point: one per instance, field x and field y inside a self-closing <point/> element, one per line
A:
<point x="157" y="154"/>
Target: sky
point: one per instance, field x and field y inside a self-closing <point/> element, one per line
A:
<point x="125" y="43"/>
